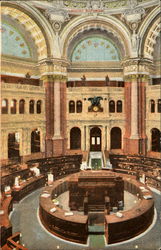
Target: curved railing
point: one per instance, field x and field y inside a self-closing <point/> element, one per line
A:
<point x="75" y="227"/>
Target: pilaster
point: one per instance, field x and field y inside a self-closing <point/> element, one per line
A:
<point x="54" y="79"/>
<point x="4" y="141"/>
<point x="136" y="74"/>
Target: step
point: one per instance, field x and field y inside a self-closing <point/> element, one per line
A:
<point x="96" y="207"/>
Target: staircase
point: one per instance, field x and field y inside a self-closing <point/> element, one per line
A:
<point x="96" y="160"/>
<point x="96" y="208"/>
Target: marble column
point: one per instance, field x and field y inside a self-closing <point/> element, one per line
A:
<point x="4" y="141"/>
<point x="105" y="138"/>
<point x="26" y="141"/>
<point x="88" y="138"/>
<point x="134" y="109"/>
<point x="85" y="136"/>
<point x="108" y="138"/>
<point x="42" y="140"/>
<point x="57" y="118"/>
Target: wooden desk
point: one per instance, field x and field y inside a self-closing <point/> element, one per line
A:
<point x="73" y="228"/>
<point x="134" y="221"/>
<point x="6" y="227"/>
<point x="27" y="187"/>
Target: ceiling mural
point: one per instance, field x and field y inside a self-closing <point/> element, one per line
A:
<point x="95" y="49"/>
<point x="13" y="43"/>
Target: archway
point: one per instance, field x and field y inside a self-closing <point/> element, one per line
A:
<point x="75" y="138"/>
<point x="115" y="138"/>
<point x="13" y="145"/>
<point x="35" y="141"/>
<point x="155" y="140"/>
<point x="95" y="139"/>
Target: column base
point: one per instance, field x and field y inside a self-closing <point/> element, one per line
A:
<point x="49" y="148"/>
<point x="58" y="146"/>
<point x="134" y="146"/>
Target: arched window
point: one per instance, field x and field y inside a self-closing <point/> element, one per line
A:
<point x="13" y="106"/>
<point x="4" y="106"/>
<point x="152" y="106"/>
<point x="112" y="107"/>
<point x="119" y="106"/>
<point x="31" y="106"/>
<point x="159" y="105"/>
<point x="38" y="107"/>
<point x="155" y="140"/>
<point x="22" y="106"/>
<point x="71" y="107"/>
<point x="75" y="138"/>
<point x="35" y="141"/>
<point x="79" y="107"/>
<point x="115" y="138"/>
<point x="13" y="145"/>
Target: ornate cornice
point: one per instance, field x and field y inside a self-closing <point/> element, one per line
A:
<point x="137" y="66"/>
<point x="53" y="77"/>
<point x="142" y="77"/>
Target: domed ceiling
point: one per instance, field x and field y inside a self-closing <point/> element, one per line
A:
<point x="13" y="42"/>
<point x="95" y="48"/>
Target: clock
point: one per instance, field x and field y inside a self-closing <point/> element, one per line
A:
<point x="95" y="108"/>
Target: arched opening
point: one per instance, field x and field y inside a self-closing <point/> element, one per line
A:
<point x="115" y="138"/>
<point x="22" y="106"/>
<point x="95" y="139"/>
<point x="35" y="141"/>
<point x="71" y="107"/>
<point x="13" y="106"/>
<point x="152" y="106"/>
<point x="13" y="145"/>
<point x="38" y="107"/>
<point x="159" y="106"/>
<point x="79" y="107"/>
<point x="4" y="106"/>
<point x="112" y="107"/>
<point x="119" y="106"/>
<point x="31" y="106"/>
<point x="75" y="138"/>
<point x="155" y="140"/>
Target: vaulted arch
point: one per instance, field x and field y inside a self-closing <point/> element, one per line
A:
<point x="34" y="23"/>
<point x="109" y="25"/>
<point x="148" y="33"/>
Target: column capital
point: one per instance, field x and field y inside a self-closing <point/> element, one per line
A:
<point x="53" y="66"/>
<point x="47" y="78"/>
<point x="142" y="77"/>
<point x="137" y="66"/>
<point x="60" y="77"/>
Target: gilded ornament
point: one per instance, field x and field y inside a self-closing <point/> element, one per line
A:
<point x="11" y="32"/>
<point x="24" y="52"/>
<point x="22" y="45"/>
<point x="89" y="42"/>
<point x="95" y="45"/>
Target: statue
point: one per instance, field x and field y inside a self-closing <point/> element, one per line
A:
<point x="95" y="104"/>
<point x="135" y="41"/>
<point x="95" y="101"/>
<point x="83" y="78"/>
